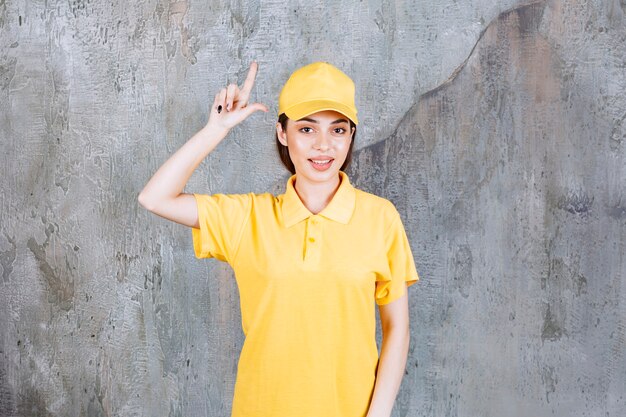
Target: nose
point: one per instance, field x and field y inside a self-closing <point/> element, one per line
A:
<point x="322" y="141"/>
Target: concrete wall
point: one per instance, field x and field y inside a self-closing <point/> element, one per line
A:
<point x="498" y="130"/>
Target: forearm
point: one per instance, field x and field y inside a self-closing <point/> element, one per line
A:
<point x="391" y="366"/>
<point x="170" y="179"/>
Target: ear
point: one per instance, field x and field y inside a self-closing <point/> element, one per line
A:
<point x="282" y="136"/>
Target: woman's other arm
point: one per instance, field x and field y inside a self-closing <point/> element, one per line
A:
<point x="394" y="318"/>
<point x="163" y="194"/>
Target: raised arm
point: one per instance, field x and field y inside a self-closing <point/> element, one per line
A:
<point x="163" y="194"/>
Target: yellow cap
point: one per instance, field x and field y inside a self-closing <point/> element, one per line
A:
<point x="316" y="87"/>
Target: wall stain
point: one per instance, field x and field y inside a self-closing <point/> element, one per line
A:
<point x="618" y="211"/>
<point x="32" y="403"/>
<point x="124" y="260"/>
<point x="552" y="327"/>
<point x="531" y="18"/>
<point x="60" y="287"/>
<point x="7" y="258"/>
<point x="618" y="134"/>
<point x="154" y="279"/>
<point x="550" y="379"/>
<point x="7" y="72"/>
<point x="576" y="202"/>
<point x="7" y="403"/>
<point x="462" y="270"/>
<point x="562" y="277"/>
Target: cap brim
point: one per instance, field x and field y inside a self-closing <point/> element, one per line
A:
<point x="306" y="108"/>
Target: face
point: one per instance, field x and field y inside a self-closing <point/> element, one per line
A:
<point x="321" y="136"/>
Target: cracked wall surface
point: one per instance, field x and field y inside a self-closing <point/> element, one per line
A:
<point x="497" y="129"/>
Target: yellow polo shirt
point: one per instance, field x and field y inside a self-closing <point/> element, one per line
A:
<point x="308" y="285"/>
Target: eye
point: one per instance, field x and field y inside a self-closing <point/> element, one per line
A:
<point x="305" y="128"/>
<point x="341" y="128"/>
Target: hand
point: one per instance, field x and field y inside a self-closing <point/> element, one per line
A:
<point x="234" y="102"/>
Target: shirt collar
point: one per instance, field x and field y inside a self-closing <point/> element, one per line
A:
<point x="339" y="209"/>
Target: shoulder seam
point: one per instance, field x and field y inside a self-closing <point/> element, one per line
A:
<point x="396" y="216"/>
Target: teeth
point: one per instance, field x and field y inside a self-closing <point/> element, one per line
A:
<point x="320" y="162"/>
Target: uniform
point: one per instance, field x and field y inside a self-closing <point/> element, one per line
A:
<point x="308" y="285"/>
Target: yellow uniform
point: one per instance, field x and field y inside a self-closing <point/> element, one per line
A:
<point x="308" y="285"/>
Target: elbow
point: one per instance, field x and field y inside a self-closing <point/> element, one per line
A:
<point x="143" y="201"/>
<point x="397" y="331"/>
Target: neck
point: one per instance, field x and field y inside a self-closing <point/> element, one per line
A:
<point x="316" y="195"/>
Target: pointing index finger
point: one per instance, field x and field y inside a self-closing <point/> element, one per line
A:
<point x="247" y="85"/>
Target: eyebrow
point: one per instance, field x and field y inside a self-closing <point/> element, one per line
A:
<point x="307" y="119"/>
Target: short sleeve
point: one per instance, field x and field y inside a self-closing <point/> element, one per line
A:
<point x="401" y="274"/>
<point x="222" y="218"/>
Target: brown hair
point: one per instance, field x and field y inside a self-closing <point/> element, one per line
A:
<point x="283" y="151"/>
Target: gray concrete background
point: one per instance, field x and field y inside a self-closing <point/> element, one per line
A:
<point x="497" y="129"/>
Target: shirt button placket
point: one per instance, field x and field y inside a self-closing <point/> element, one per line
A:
<point x="312" y="241"/>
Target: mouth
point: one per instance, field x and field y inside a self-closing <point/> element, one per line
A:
<point x="322" y="163"/>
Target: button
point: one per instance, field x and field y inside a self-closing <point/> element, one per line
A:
<point x="314" y="221"/>
<point x="311" y="239"/>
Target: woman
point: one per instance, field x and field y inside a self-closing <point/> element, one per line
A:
<point x="310" y="264"/>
